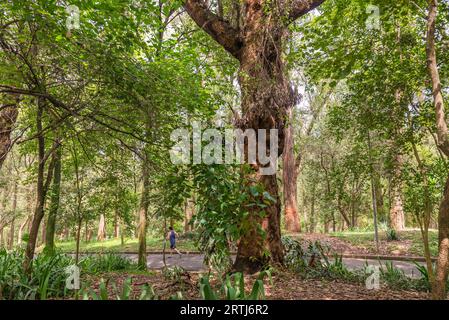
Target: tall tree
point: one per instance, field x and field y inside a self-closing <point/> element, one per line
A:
<point x="266" y="96"/>
<point x="54" y="204"/>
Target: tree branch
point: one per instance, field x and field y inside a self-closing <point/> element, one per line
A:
<point x="301" y="7"/>
<point x="219" y="29"/>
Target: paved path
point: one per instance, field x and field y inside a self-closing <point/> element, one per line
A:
<point x="194" y="262"/>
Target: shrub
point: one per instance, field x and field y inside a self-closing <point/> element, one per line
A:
<point x="233" y="288"/>
<point x="106" y="263"/>
<point x="391" y="235"/>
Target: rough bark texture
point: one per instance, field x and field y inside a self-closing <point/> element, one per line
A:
<point x="101" y="233"/>
<point x="8" y="117"/>
<point x="265" y="97"/>
<point x="54" y="204"/>
<point x="42" y="187"/>
<point x="397" y="220"/>
<point x="290" y="174"/>
<point x="441" y="274"/>
<point x="116" y="225"/>
<point x="13" y="220"/>
<point x="143" y="214"/>
<point x="189" y="212"/>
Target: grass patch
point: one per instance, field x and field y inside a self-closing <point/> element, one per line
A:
<point x="409" y="240"/>
<point x="130" y="245"/>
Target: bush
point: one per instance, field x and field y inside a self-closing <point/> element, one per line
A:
<point x="233" y="288"/>
<point x="146" y="292"/>
<point x="48" y="275"/>
<point x="106" y="263"/>
<point x="391" y="235"/>
<point x="47" y="279"/>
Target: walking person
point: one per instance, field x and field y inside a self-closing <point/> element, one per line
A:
<point x="172" y="235"/>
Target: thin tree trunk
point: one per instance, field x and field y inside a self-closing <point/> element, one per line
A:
<point x="290" y="175"/>
<point x="42" y="187"/>
<point x="441" y="274"/>
<point x="379" y="196"/>
<point x="54" y="205"/>
<point x="78" y="238"/>
<point x="424" y="221"/>
<point x="312" y="211"/>
<point x="116" y="225"/>
<point x="143" y="215"/>
<point x="22" y="226"/>
<point x="12" y="225"/>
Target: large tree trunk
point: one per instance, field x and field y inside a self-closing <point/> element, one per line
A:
<point x="8" y="117"/>
<point x="290" y="175"/>
<point x="266" y="96"/>
<point x="54" y="204"/>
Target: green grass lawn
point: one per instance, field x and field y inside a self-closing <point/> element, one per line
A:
<point x="130" y="245"/>
<point x="409" y="239"/>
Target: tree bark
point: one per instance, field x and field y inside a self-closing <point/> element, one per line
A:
<point x="54" y="204"/>
<point x="20" y="232"/>
<point x="266" y="96"/>
<point x="441" y="273"/>
<point x="290" y="175"/>
<point x="8" y="117"/>
<point x="143" y="215"/>
<point x="78" y="238"/>
<point x="13" y="225"/>
<point x="116" y="225"/>
<point x="101" y="234"/>
<point x="42" y="187"/>
<point x="397" y="219"/>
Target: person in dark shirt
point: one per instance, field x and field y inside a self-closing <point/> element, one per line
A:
<point x="172" y="235"/>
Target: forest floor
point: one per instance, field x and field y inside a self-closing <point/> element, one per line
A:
<point x="284" y="286"/>
<point x="360" y="243"/>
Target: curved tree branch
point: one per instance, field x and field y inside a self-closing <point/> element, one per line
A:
<point x="219" y="29"/>
<point x="301" y="7"/>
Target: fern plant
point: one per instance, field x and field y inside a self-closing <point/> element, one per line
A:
<point x="233" y="288"/>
